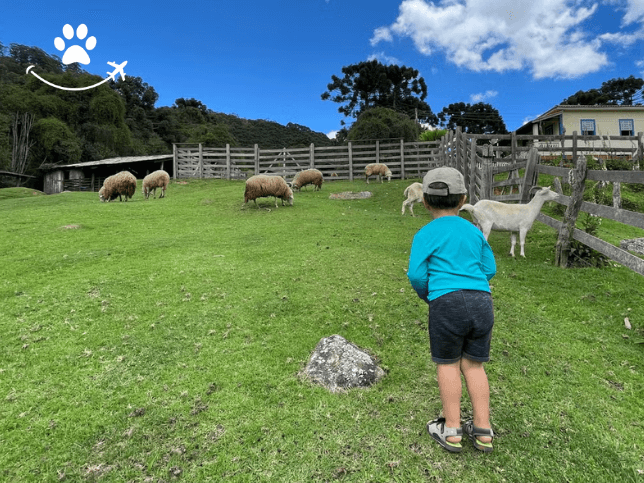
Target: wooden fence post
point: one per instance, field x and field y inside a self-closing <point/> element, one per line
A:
<point x="228" y="162"/>
<point x="312" y="156"/>
<point x="402" y="159"/>
<point x="574" y="145"/>
<point x="377" y="151"/>
<point x="530" y="174"/>
<point x="562" y="249"/>
<point x="350" y="162"/>
<point x="489" y="179"/>
<point x="617" y="194"/>
<point x="457" y="148"/>
<point x="471" y="172"/>
<point x="256" y="159"/>
<point x="200" y="160"/>
<point x="174" y="161"/>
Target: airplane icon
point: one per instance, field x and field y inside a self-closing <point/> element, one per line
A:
<point x="118" y="69"/>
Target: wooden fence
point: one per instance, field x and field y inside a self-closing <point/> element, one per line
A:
<point x="481" y="158"/>
<point x="345" y="162"/>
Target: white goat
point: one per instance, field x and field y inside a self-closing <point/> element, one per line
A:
<point x="494" y="215"/>
<point x="414" y="194"/>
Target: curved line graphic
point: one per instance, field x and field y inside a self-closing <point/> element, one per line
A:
<point x="67" y="88"/>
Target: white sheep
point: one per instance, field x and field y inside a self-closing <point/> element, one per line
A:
<point x="414" y="194"/>
<point x="119" y="184"/>
<point x="261" y="185"/>
<point x="494" y="215"/>
<point x="154" y="180"/>
<point x="377" y="169"/>
<point x="308" y="176"/>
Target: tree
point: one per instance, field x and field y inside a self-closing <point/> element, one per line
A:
<point x="371" y="84"/>
<point x="383" y="123"/>
<point x="21" y="143"/>
<point x="479" y="118"/>
<point x="55" y="142"/>
<point x="612" y="92"/>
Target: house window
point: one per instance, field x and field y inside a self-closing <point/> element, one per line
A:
<point x="549" y="130"/>
<point x="587" y="127"/>
<point x="626" y="127"/>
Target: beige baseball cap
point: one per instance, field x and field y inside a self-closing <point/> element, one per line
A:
<point x="450" y="176"/>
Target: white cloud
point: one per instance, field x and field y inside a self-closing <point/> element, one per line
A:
<point x="483" y="96"/>
<point x="634" y="12"/>
<point x="547" y="37"/>
<point x="381" y="33"/>
<point x="331" y="135"/>
<point x="384" y="59"/>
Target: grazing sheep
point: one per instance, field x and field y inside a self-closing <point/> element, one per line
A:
<point x="377" y="169"/>
<point x="308" y="176"/>
<point x="261" y="185"/>
<point x="494" y="215"/>
<point x="414" y="194"/>
<point x="120" y="184"/>
<point x="154" y="180"/>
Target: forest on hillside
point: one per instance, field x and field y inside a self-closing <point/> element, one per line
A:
<point x="47" y="125"/>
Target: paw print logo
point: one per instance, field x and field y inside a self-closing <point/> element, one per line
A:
<point x="75" y="53"/>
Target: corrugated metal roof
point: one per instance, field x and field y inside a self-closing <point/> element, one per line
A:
<point x="121" y="160"/>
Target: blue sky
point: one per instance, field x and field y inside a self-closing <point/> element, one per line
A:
<point x="273" y="59"/>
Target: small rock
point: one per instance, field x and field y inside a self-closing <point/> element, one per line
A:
<point x="337" y="364"/>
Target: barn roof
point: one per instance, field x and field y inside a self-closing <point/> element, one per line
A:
<point x="121" y="160"/>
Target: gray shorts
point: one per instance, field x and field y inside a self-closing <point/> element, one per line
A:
<point x="460" y="325"/>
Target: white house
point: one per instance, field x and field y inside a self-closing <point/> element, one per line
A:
<point x="605" y="121"/>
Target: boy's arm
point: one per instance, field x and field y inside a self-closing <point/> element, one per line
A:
<point x="488" y="264"/>
<point x="417" y="272"/>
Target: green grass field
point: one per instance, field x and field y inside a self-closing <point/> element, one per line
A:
<point x="161" y="340"/>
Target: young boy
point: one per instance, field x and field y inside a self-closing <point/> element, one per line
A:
<point x="449" y="267"/>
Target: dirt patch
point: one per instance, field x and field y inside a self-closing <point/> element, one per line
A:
<point x="180" y="182"/>
<point x="70" y="227"/>
<point x="350" y="195"/>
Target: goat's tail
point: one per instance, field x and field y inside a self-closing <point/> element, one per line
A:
<point x="467" y="207"/>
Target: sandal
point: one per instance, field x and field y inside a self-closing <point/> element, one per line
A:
<point x="440" y="433"/>
<point x="474" y="431"/>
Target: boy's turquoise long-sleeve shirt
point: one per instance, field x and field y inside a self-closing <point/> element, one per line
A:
<point x="449" y="254"/>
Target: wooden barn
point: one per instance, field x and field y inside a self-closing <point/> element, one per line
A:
<point x="89" y="176"/>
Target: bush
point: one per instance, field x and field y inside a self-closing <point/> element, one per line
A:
<point x="619" y="165"/>
<point x="428" y="136"/>
<point x="582" y="255"/>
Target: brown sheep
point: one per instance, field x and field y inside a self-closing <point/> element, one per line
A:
<point x="120" y="184"/>
<point x="154" y="180"/>
<point x="377" y="169"/>
<point x="261" y="185"/>
<point x="308" y="176"/>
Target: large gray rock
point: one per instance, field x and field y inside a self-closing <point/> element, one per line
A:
<point x="338" y="364"/>
<point x="634" y="245"/>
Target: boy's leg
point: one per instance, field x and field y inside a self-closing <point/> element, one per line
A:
<point x="449" y="386"/>
<point x="479" y="391"/>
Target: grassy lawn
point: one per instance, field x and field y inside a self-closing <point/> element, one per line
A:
<point x="161" y="340"/>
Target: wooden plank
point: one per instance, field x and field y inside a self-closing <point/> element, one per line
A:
<point x="623" y="216"/>
<point x="530" y="176"/>
<point x="503" y="198"/>
<point x="619" y="255"/>
<point x="619" y="176"/>
<point x="509" y="167"/>
<point x="508" y="182"/>
<point x="553" y="170"/>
